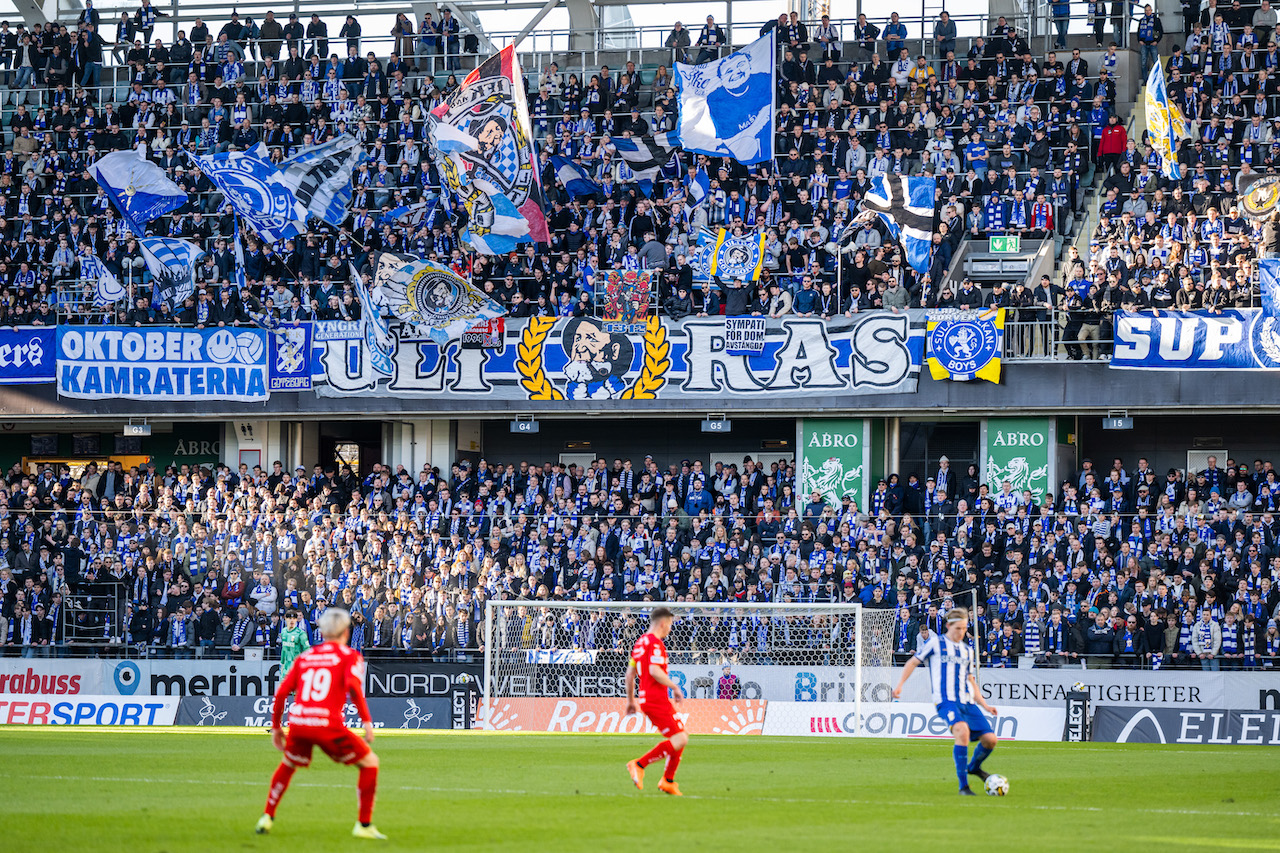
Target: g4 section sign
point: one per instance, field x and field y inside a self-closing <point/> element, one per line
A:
<point x="583" y="358"/>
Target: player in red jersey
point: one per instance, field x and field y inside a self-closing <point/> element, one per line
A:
<point x="649" y="664"/>
<point x="323" y="677"/>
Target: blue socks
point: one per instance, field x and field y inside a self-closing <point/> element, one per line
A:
<point x="979" y="755"/>
<point x="962" y="760"/>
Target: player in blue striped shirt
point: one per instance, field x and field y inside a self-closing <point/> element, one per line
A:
<point x="956" y="695"/>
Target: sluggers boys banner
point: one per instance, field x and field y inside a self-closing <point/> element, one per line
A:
<point x="584" y="358"/>
<point x="96" y="362"/>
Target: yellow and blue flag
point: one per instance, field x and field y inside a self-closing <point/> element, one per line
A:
<point x="1165" y="124"/>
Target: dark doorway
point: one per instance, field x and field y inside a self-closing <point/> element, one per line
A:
<point x="923" y="443"/>
<point x="354" y="443"/>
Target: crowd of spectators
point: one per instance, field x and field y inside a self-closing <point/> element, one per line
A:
<point x="1012" y="136"/>
<point x="1118" y="564"/>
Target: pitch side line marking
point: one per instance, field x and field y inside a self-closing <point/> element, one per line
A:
<point x="626" y="794"/>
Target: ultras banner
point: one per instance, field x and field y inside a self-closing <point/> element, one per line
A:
<point x="582" y="358"/>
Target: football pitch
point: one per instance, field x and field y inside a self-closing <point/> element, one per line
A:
<point x="152" y="790"/>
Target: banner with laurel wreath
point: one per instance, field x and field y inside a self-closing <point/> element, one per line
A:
<point x="564" y="360"/>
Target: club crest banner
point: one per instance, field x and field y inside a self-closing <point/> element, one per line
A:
<point x="290" y="358"/>
<point x="966" y="345"/>
<point x="550" y="359"/>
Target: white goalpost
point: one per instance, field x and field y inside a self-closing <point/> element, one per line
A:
<point x="560" y="665"/>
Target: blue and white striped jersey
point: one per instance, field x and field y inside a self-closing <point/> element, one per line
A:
<point x="950" y="664"/>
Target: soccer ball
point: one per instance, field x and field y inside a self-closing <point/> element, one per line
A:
<point x="996" y="785"/>
<point x="250" y="348"/>
<point x="1078" y="687"/>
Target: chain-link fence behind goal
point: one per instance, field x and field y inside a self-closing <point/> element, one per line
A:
<point x="561" y="666"/>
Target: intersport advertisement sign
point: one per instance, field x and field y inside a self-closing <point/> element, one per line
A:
<point x="60" y="710"/>
<point x="902" y="720"/>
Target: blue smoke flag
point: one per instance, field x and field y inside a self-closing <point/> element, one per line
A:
<point x="905" y="204"/>
<point x="138" y="188"/>
<point x="107" y="288"/>
<point x="1269" y="276"/>
<point x="1165" y="124"/>
<point x="436" y="302"/>
<point x="255" y="188"/>
<point x="575" y="179"/>
<point x="173" y="267"/>
<point x="320" y="177"/>
<point x="726" y="107"/>
<point x="698" y="185"/>
<point x="378" y="340"/>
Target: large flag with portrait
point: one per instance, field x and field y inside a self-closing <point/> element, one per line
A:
<point x="483" y="145"/>
<point x="435" y="302"/>
<point x="726" y="106"/>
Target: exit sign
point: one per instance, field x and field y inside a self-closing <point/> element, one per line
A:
<point x="1003" y="245"/>
<point x="1117" y="423"/>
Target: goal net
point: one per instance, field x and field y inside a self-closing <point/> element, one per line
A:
<point x="561" y="666"/>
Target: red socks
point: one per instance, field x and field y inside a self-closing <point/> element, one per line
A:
<point x="655" y="754"/>
<point x="279" y="784"/>
<point x="673" y="763"/>
<point x="367" y="785"/>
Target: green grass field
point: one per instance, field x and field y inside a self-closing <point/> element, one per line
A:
<point x="150" y="790"/>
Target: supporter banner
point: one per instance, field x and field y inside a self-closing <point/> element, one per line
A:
<point x="255" y="712"/>
<point x="26" y="355"/>
<point x="608" y="716"/>
<point x="54" y="710"/>
<point x="99" y="362"/>
<point x="966" y="345"/>
<point x="903" y="720"/>
<point x="743" y="335"/>
<point x="290" y="358"/>
<point x="1211" y="726"/>
<point x="1236" y="338"/>
<point x="486" y="334"/>
<point x="835" y="458"/>
<point x="1021" y="451"/>
<point x="579" y="358"/>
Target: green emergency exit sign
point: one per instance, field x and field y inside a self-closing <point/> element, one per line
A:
<point x="1003" y="245"/>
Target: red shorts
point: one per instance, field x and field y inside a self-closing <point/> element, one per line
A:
<point x="342" y="745"/>
<point x="663" y="718"/>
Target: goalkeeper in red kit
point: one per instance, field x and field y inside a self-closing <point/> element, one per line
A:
<point x="649" y="664"/>
<point x="323" y="677"/>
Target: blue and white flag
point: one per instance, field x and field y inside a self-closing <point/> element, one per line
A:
<point x="719" y="254"/>
<point x="575" y="179"/>
<point x="320" y="177"/>
<point x="905" y="204"/>
<point x="644" y="156"/>
<point x="173" y="267"/>
<point x="698" y="186"/>
<point x="255" y="188"/>
<point x="1269" y="278"/>
<point x="726" y="107"/>
<point x="107" y="288"/>
<point x="138" y="188"/>
<point x="413" y="216"/>
<point x="289" y="358"/>
<point x="435" y="302"/>
<point x="379" y="341"/>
